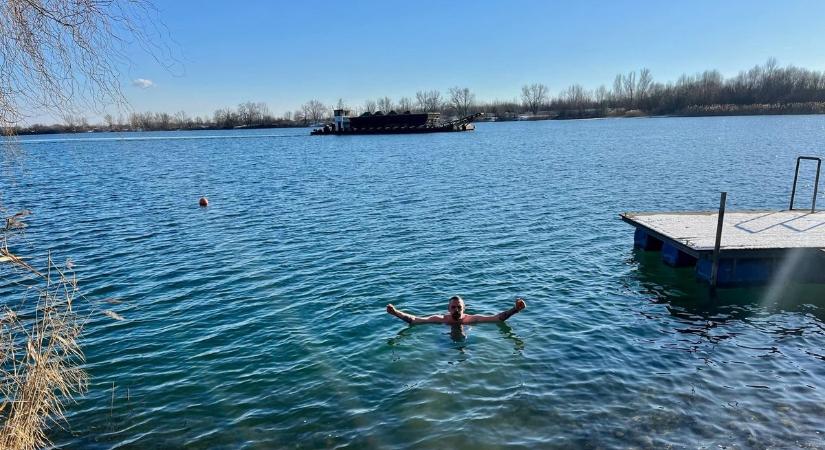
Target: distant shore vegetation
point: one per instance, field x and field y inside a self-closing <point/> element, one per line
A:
<point x="764" y="89"/>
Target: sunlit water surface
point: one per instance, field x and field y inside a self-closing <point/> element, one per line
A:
<point x="259" y="322"/>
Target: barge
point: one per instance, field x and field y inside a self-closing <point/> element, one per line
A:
<point x="392" y="123"/>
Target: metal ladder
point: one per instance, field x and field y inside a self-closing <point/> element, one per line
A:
<point x="816" y="182"/>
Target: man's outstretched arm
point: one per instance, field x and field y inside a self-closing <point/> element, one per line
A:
<point x="502" y="316"/>
<point x="411" y="319"/>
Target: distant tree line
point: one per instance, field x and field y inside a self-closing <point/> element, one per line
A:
<point x="246" y="115"/>
<point x="764" y="89"/>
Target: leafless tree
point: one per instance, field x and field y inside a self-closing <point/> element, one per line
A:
<point x="462" y="100"/>
<point x="405" y="104"/>
<point x="263" y="111"/>
<point x="300" y="116"/>
<point x="618" y="90"/>
<point x="711" y="84"/>
<point x="644" y="84"/>
<point x="70" y="120"/>
<point x="385" y="104"/>
<point x="601" y="96"/>
<point x="576" y="97"/>
<point x="226" y="118"/>
<point x="182" y="120"/>
<point x="252" y="113"/>
<point x="164" y="120"/>
<point x="134" y="121"/>
<point x="370" y="106"/>
<point x="629" y="81"/>
<point x="315" y="110"/>
<point x="246" y="113"/>
<point x="533" y="96"/>
<point x="428" y="101"/>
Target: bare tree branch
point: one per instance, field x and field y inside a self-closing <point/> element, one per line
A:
<point x="461" y="99"/>
<point x="428" y="101"/>
<point x="534" y="96"/>
<point x="66" y="55"/>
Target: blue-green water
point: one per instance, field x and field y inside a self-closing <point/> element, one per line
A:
<point x="260" y="322"/>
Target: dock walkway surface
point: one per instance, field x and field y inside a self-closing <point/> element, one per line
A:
<point x="753" y="243"/>
<point x="753" y="230"/>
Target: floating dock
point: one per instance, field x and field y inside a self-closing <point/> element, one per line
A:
<point x="739" y="247"/>
<point x="753" y="247"/>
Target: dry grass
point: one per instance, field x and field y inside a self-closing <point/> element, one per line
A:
<point x="40" y="359"/>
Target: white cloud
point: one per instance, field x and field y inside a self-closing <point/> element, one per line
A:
<point x="143" y="83"/>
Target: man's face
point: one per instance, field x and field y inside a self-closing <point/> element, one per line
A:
<point x="456" y="308"/>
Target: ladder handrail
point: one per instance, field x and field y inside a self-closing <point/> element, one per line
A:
<point x="816" y="182"/>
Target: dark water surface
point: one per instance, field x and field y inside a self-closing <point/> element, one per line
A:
<point x="259" y="322"/>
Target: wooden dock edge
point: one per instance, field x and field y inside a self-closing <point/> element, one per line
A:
<point x="736" y="267"/>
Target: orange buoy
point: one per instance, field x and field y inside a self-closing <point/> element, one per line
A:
<point x="203" y="202"/>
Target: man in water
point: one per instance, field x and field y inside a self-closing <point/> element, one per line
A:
<point x="456" y="315"/>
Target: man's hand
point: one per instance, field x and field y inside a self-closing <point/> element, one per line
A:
<point x="391" y="309"/>
<point x="519" y="305"/>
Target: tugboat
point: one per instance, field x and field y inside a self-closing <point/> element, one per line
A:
<point x="392" y="123"/>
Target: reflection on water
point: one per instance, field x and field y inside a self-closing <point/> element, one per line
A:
<point x="458" y="335"/>
<point x="687" y="297"/>
<point x="507" y="332"/>
<point x="402" y="333"/>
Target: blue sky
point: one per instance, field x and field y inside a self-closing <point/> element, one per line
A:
<point x="285" y="53"/>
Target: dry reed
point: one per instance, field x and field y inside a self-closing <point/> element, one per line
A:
<point x="40" y="359"/>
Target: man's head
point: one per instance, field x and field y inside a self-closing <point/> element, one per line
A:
<point x="456" y="307"/>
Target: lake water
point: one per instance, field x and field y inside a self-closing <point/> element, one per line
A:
<point x="259" y="322"/>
